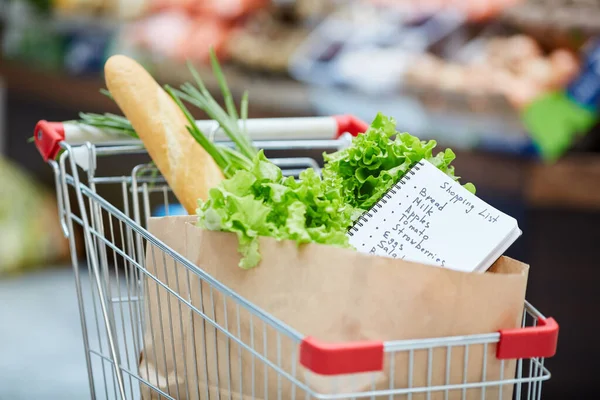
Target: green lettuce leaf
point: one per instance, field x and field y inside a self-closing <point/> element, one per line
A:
<point x="261" y="202"/>
<point x="379" y="158"/>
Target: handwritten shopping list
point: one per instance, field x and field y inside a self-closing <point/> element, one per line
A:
<point x="429" y="218"/>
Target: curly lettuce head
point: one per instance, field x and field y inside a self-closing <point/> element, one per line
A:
<point x="379" y="158"/>
<point x="262" y="202"/>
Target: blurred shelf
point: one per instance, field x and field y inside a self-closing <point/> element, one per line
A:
<point x="570" y="184"/>
<point x="275" y="94"/>
<point x="78" y="93"/>
<point x="268" y="95"/>
<point x="573" y="182"/>
<point x="496" y="174"/>
<point x="566" y="15"/>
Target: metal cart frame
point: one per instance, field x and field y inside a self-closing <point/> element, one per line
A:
<point x="116" y="242"/>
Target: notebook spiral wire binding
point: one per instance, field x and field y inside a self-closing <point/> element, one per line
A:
<point x="364" y="217"/>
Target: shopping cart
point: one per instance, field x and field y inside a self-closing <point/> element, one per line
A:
<point x="110" y="208"/>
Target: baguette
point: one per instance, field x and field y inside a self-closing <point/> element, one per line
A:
<point x="188" y="169"/>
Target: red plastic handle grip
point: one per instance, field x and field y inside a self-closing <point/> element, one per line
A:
<point x="47" y="137"/>
<point x="349" y="358"/>
<point x="350" y="124"/>
<point x="535" y="341"/>
<point x="338" y="359"/>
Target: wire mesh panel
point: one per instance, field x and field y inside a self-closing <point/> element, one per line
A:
<point x="157" y="327"/>
<point x="233" y="349"/>
<point x="460" y="368"/>
<point x="117" y="255"/>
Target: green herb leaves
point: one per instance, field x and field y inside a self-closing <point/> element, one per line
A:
<point x="229" y="160"/>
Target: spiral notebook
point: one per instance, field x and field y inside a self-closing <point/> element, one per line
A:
<point x="429" y="218"/>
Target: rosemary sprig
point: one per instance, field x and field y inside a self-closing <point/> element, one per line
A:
<point x="108" y="121"/>
<point x="116" y="123"/>
<point x="107" y="93"/>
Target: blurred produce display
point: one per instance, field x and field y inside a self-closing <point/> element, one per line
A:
<point x="476" y="65"/>
<point x="566" y="23"/>
<point x="178" y="36"/>
<point x="133" y="9"/>
<point x="474" y="10"/>
<point x="30" y="233"/>
<point x="79" y="36"/>
<point x="265" y="43"/>
<point x="513" y="67"/>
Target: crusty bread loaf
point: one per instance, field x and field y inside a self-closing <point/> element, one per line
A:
<point x="161" y="125"/>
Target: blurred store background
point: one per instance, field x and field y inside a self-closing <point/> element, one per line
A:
<point x="511" y="85"/>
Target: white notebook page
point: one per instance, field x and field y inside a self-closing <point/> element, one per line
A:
<point x="429" y="218"/>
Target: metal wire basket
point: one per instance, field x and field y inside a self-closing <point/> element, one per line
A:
<point x="112" y="206"/>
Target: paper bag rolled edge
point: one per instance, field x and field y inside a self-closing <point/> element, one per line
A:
<point x="515" y="267"/>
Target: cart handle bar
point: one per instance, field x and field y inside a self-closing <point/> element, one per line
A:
<point x="49" y="135"/>
<point x="368" y="356"/>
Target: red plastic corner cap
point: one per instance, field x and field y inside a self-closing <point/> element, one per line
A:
<point x="47" y="137"/>
<point x="350" y="124"/>
<point x="536" y="341"/>
<point x="338" y="359"/>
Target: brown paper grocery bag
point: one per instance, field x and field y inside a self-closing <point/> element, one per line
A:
<point x="335" y="295"/>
